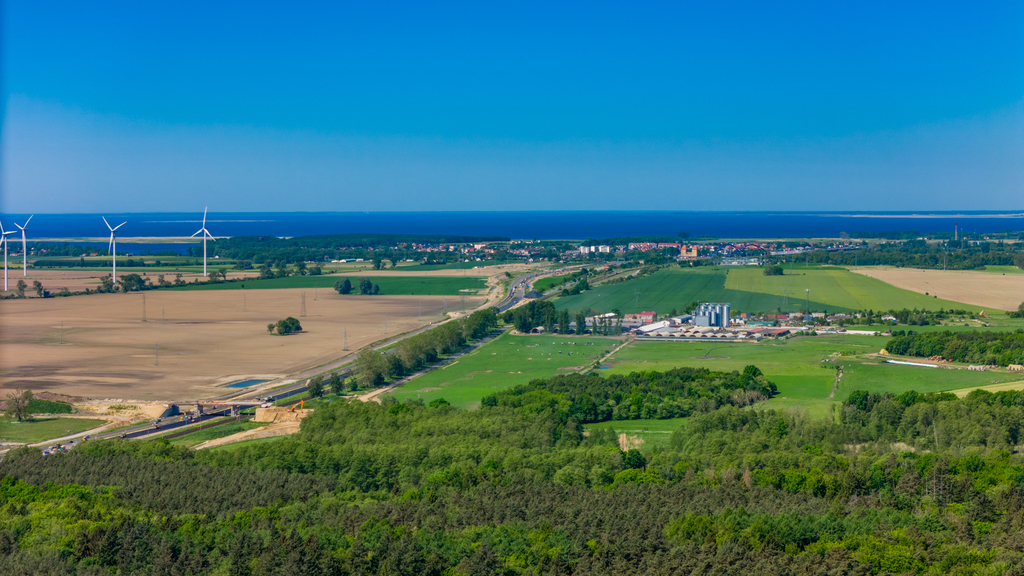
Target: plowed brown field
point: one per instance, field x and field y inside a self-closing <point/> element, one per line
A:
<point x="206" y="339"/>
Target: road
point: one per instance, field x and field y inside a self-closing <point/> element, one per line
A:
<point x="516" y="293"/>
<point x="172" y="422"/>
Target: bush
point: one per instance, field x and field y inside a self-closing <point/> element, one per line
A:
<point x="284" y="327"/>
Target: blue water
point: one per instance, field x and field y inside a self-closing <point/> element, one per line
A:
<point x="246" y="383"/>
<point x="526" y="225"/>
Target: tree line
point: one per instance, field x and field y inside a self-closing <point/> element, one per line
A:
<point x="1002" y="348"/>
<point x="411" y="354"/>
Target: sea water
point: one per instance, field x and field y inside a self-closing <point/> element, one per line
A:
<point x="543" y="225"/>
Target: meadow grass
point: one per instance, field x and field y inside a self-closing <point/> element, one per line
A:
<point x="237" y="445"/>
<point x="389" y="285"/>
<point x="39" y="429"/>
<point x="200" y="436"/>
<point x="412" y="266"/>
<point x="545" y="284"/>
<point x="654" y="433"/>
<point x="504" y="362"/>
<point x="749" y="290"/>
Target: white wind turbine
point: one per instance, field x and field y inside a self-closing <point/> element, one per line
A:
<point x="24" y="247"/>
<point x="206" y="234"/>
<point x="3" y="240"/>
<point x="113" y="244"/>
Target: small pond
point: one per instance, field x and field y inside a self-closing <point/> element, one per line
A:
<point x="246" y="383"/>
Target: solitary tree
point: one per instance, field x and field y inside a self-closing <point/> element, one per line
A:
<point x="17" y="404"/>
<point x="334" y="383"/>
<point x="365" y="286"/>
<point x="21" y="288"/>
<point x="40" y="291"/>
<point x="343" y="286"/>
<point x="271" y="327"/>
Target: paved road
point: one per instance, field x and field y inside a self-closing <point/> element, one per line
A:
<point x="172" y="422"/>
<point x="516" y="293"/>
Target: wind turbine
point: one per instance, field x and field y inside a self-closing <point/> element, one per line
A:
<point x="206" y="234"/>
<point x="3" y="240"/>
<point x="24" y="247"/>
<point x="113" y="244"/>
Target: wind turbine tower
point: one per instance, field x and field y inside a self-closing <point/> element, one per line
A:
<point x="3" y="240"/>
<point x="24" y="247"/>
<point x="113" y="244"/>
<point x="206" y="234"/>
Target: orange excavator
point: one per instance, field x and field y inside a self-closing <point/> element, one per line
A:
<point x="300" y="405"/>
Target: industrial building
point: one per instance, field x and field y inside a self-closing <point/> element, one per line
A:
<point x="712" y="314"/>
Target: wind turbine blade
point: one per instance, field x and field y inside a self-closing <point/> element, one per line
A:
<point x="27" y="221"/>
<point x="199" y="232"/>
<point x="22" y="228"/>
<point x="107" y="223"/>
<point x="119" y="225"/>
<point x="204" y="216"/>
<point x="210" y="236"/>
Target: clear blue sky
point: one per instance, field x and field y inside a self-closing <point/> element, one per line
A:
<point x="166" y="106"/>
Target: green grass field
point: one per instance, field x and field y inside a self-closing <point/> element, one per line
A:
<point x="39" y="429"/>
<point x="389" y="285"/>
<point x="545" y="284"/>
<point x="749" y="290"/>
<point x="413" y="266"/>
<point x="200" y="436"/>
<point x="795" y="368"/>
<point x="654" y="433"/>
<point x="502" y="363"/>
<point x="237" y="445"/>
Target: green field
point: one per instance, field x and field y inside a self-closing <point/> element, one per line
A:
<point x="749" y="290"/>
<point x="545" y="284"/>
<point x="39" y="429"/>
<point x="654" y="433"/>
<point x="795" y="367"/>
<point x="502" y="363"/>
<point x="200" y="436"/>
<point x="237" y="445"/>
<point x="413" y="266"/>
<point x="389" y="285"/>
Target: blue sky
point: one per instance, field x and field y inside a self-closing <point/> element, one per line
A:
<point x="162" y="106"/>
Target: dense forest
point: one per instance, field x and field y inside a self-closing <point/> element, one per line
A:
<point x="904" y="484"/>
<point x="1002" y="348"/>
<point x="677" y="393"/>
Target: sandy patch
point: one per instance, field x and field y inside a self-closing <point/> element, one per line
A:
<point x="627" y="442"/>
<point x="980" y="288"/>
<point x="206" y="339"/>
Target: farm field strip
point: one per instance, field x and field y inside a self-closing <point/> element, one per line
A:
<point x="748" y="290"/>
<point x="1000" y="289"/>
<point x="389" y="285"/>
